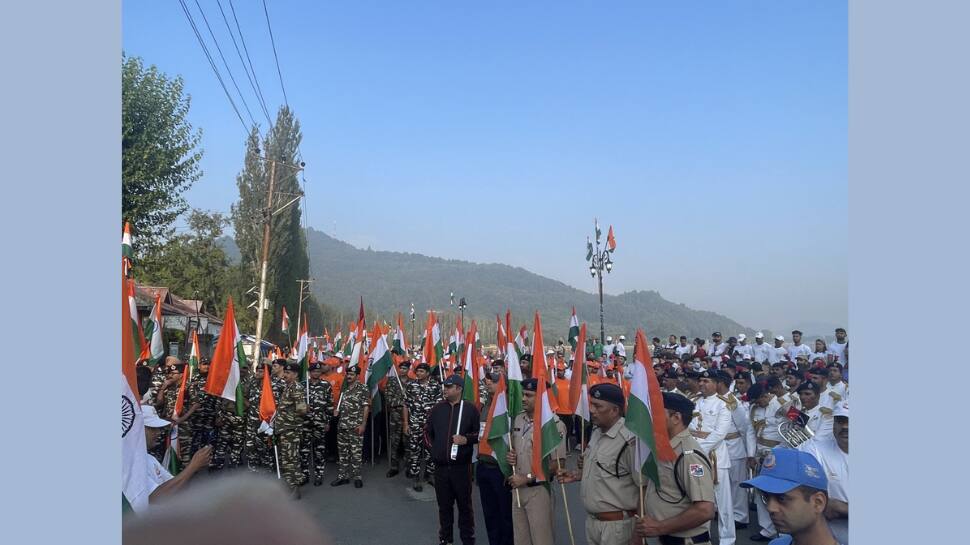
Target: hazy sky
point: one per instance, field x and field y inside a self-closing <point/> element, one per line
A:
<point x="712" y="136"/>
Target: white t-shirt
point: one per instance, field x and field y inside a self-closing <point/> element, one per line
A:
<point x="744" y="350"/>
<point x="775" y="355"/>
<point x="836" y="465"/>
<point x="760" y="352"/>
<point x="157" y="474"/>
<point x="838" y="349"/>
<point x="681" y="350"/>
<point x="798" y="350"/>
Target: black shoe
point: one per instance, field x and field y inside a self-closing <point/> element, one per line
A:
<point x="759" y="537"/>
<point x="392" y="472"/>
<point x="418" y="487"/>
<point x="740" y="525"/>
<point x="358" y="483"/>
<point x="318" y="481"/>
<point x="340" y="482"/>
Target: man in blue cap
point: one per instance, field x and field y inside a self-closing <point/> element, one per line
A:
<point x="794" y="487"/>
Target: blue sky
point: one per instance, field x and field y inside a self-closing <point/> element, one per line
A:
<point x="712" y="136"/>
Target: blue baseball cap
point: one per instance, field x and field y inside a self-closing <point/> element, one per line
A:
<point x="784" y="469"/>
<point x="454" y="380"/>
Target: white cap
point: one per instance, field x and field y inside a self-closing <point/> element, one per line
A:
<point x="780" y="338"/>
<point x="151" y="418"/>
<point x="759" y="335"/>
<point x="550" y="351"/>
<point x="842" y="409"/>
<point x="741" y="337"/>
<point x="622" y="338"/>
<point x="609" y="338"/>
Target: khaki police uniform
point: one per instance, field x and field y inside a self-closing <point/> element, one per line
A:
<point x="532" y="522"/>
<point x="694" y="473"/>
<point x="610" y="485"/>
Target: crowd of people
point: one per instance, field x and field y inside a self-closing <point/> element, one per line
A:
<point x="738" y="415"/>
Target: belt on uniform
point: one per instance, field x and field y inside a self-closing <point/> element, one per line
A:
<point x="613" y="515"/>
<point x="732" y="435"/>
<point x="768" y="442"/>
<point x="674" y="540"/>
<point x="537" y="483"/>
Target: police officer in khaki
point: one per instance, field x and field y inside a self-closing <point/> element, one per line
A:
<point x="609" y="483"/>
<point x="679" y="511"/>
<point x="532" y="512"/>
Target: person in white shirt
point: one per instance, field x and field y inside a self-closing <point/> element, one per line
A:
<point x="833" y="454"/>
<point x="710" y="425"/>
<point x="683" y="348"/>
<point x="671" y="343"/>
<point x="819" y="417"/>
<point x="821" y="352"/>
<point x="819" y="376"/>
<point x="766" y="415"/>
<point x="837" y="348"/>
<point x="778" y="352"/>
<point x="836" y="388"/>
<point x="797" y="348"/>
<point x="760" y="350"/>
<point x="743" y="349"/>
<point x="162" y="483"/>
<point x="716" y="347"/>
<point x="741" y="447"/>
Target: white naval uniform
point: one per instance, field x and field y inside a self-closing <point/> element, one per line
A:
<point x="741" y="446"/>
<point x="759" y="352"/>
<point x="840" y="389"/>
<point x="765" y="422"/>
<point x="836" y="466"/>
<point x="713" y="418"/>
<point x="820" y="420"/>
<point x="789" y="399"/>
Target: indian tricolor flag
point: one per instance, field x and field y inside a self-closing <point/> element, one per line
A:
<point x="302" y="349"/>
<point x="610" y="241"/>
<point x="267" y="404"/>
<point x="173" y="459"/>
<point x="573" y="329"/>
<point x="138" y="336"/>
<point x="497" y="426"/>
<point x="470" y="390"/>
<point x="520" y="340"/>
<point x="134" y="452"/>
<point x="645" y="415"/>
<point x="127" y="253"/>
<point x="434" y="352"/>
<point x="378" y="366"/>
<point x="514" y="371"/>
<point x="499" y="334"/>
<point x="400" y="342"/>
<point x="545" y="435"/>
<point x="154" y="349"/>
<point x="195" y="355"/>
<point x="579" y="382"/>
<point x="227" y="359"/>
<point x="285" y="322"/>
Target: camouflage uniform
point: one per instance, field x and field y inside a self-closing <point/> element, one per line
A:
<point x="319" y="411"/>
<point x="158" y="377"/>
<point x="287" y="426"/>
<point x="394" y="398"/>
<point x="231" y="436"/>
<point x="166" y="410"/>
<point x="350" y="444"/>
<point x="421" y="397"/>
<point x="484" y="396"/>
<point x="203" y="419"/>
<point x="259" y="447"/>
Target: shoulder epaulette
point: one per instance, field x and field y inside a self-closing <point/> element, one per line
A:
<point x="825" y="410"/>
<point x="835" y="395"/>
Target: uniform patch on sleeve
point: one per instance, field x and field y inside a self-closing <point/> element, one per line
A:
<point x="696" y="470"/>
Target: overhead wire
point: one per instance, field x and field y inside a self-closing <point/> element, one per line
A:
<point x="249" y="76"/>
<point x="224" y="63"/>
<point x="212" y="64"/>
<point x="275" y="56"/>
<point x="242" y="39"/>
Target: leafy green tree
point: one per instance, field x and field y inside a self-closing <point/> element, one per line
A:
<point x="159" y="153"/>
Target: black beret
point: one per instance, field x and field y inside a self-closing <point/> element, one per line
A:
<point x="757" y="366"/>
<point x="716" y="334"/>
<point x="708" y="373"/>
<point x="295" y="367"/>
<point x="677" y="403"/>
<point x="498" y="361"/>
<point x="723" y="377"/>
<point x="316" y="366"/>
<point x="454" y="380"/>
<point x="609" y="392"/>
<point x="353" y="369"/>
<point x="421" y="366"/>
<point x="526" y="358"/>
<point x="405" y="363"/>
<point x="690" y="373"/>
<point x="808" y="385"/>
<point x="279" y="361"/>
<point x="530" y="385"/>
<point x="756" y="391"/>
<point x="818" y="371"/>
<point x="835" y="364"/>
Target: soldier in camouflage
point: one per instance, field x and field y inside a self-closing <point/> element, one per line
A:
<point x="394" y="397"/>
<point x="317" y="424"/>
<point x="291" y="412"/>
<point x="159" y="373"/>
<point x="352" y="410"/>
<point x="203" y="419"/>
<point x="422" y="394"/>
<point x="231" y="428"/>
<point x="165" y="405"/>
<point x="259" y="447"/>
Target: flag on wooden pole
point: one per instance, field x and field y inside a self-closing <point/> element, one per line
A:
<point x="645" y="414"/>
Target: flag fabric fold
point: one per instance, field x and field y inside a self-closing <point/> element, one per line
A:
<point x="134" y="452"/>
<point x="227" y="359"/>
<point x="154" y="349"/>
<point x="497" y="426"/>
<point x="579" y="382"/>
<point x="645" y="414"/>
<point x="545" y="434"/>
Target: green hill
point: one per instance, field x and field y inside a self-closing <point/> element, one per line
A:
<point x="391" y="281"/>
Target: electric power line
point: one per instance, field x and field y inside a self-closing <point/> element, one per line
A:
<point x="212" y="64"/>
<point x="273" y="41"/>
<point x="224" y="63"/>
<point x="249" y="76"/>
<point x="259" y="90"/>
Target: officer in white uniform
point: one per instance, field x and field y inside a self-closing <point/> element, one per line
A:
<point x="766" y="415"/>
<point x="819" y="416"/>
<point x="710" y="425"/>
<point x="836" y="388"/>
<point x="833" y="454"/>
<point x="741" y="447"/>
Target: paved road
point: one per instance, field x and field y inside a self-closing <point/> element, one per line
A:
<point x="387" y="512"/>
